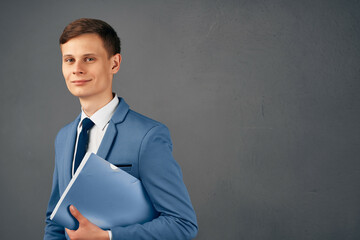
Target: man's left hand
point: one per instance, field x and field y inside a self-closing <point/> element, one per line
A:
<point x="86" y="230"/>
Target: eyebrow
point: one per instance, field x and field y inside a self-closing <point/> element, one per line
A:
<point x="84" y="55"/>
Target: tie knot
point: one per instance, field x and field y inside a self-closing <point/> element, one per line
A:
<point x="87" y="124"/>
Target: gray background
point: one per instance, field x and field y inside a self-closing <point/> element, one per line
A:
<point x="261" y="97"/>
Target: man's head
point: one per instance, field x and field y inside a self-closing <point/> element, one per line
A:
<point x="81" y="26"/>
<point x="91" y="56"/>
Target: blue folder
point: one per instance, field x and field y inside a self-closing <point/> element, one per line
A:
<point x="106" y="195"/>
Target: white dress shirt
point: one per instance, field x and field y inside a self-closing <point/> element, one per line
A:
<point x="101" y="119"/>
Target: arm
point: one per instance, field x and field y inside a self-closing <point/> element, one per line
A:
<point x="162" y="179"/>
<point x="53" y="231"/>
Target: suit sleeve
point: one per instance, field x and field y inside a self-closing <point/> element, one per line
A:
<point x="53" y="231"/>
<point x="162" y="179"/>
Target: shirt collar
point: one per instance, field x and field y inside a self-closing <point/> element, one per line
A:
<point x="102" y="116"/>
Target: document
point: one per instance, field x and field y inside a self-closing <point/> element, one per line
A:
<point x="105" y="194"/>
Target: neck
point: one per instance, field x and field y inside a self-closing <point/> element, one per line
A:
<point x="91" y="104"/>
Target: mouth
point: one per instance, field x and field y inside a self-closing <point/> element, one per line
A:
<point x="80" y="81"/>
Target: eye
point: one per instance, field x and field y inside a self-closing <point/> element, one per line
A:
<point x="89" y="59"/>
<point x="69" y="60"/>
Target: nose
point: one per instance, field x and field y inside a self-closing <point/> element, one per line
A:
<point x="78" y="68"/>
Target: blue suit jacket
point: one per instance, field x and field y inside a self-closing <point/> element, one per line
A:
<point x="142" y="147"/>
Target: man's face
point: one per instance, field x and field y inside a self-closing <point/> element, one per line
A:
<point x="87" y="69"/>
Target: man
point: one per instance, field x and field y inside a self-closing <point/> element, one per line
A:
<point x="91" y="56"/>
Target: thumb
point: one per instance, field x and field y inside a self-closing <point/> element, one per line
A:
<point x="69" y="232"/>
<point x="77" y="214"/>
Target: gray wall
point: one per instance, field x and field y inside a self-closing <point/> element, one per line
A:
<point x="261" y="97"/>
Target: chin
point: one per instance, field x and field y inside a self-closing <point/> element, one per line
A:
<point x="79" y="93"/>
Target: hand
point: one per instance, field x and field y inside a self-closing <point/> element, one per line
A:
<point x="86" y="230"/>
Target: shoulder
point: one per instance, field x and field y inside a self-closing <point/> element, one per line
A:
<point x="151" y="130"/>
<point x="139" y="129"/>
<point x="143" y="123"/>
<point x="142" y="119"/>
<point x="130" y="119"/>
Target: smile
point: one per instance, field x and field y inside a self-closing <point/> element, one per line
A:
<point x="80" y="82"/>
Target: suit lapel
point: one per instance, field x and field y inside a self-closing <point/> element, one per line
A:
<point x="111" y="132"/>
<point x="107" y="141"/>
<point x="69" y="150"/>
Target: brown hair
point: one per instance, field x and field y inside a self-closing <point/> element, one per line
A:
<point x="88" y="25"/>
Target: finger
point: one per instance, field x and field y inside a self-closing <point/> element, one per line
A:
<point x="69" y="232"/>
<point x="77" y="214"/>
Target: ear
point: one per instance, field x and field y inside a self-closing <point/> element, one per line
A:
<point x="115" y="61"/>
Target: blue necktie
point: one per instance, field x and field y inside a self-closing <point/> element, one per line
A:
<point x="83" y="140"/>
